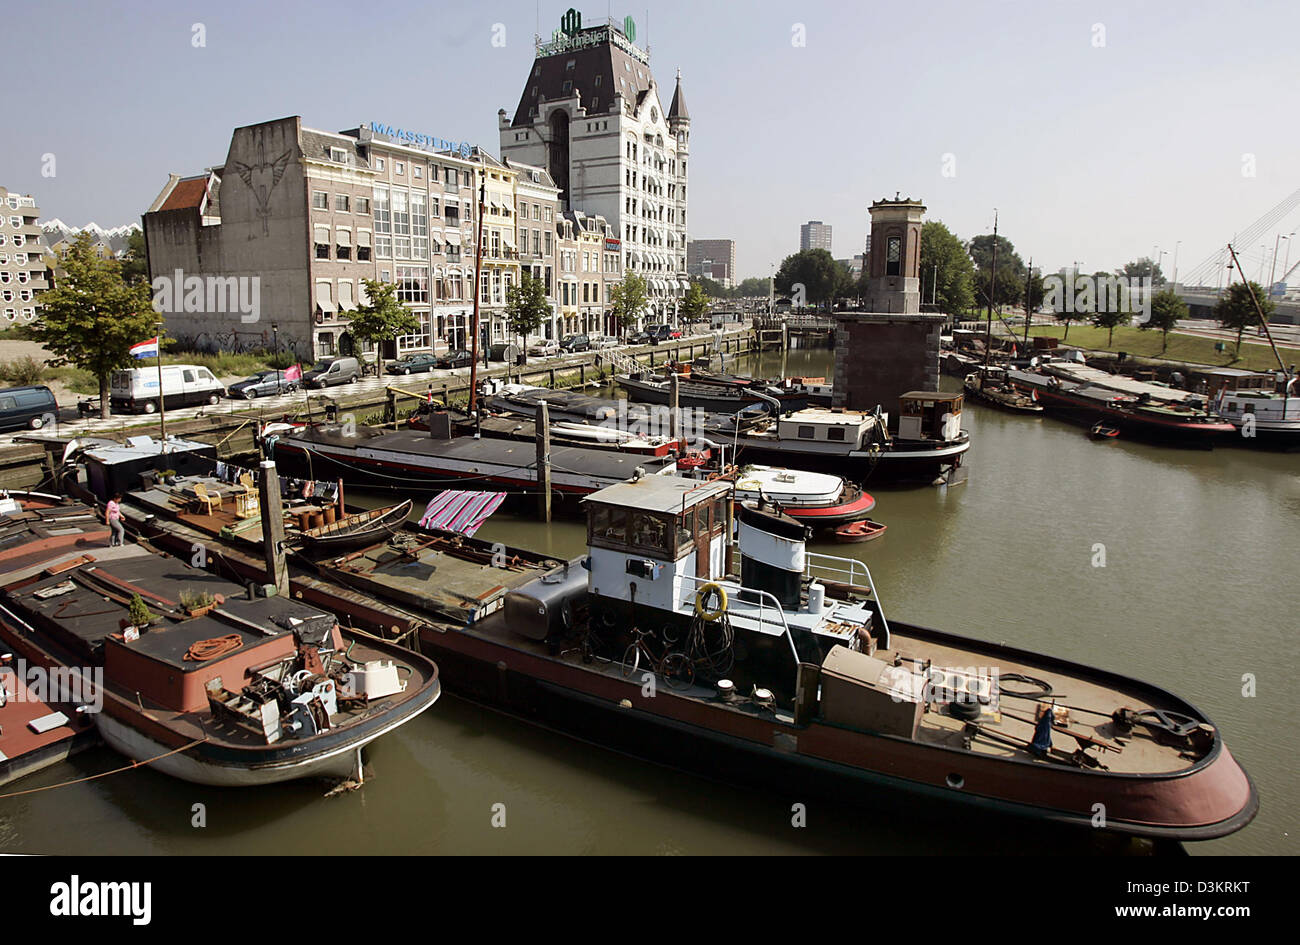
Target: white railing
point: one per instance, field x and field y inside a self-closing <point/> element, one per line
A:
<point x="763" y="598"/>
<point x="844" y="571"/>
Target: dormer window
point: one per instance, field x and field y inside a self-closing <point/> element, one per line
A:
<point x="338" y="155"/>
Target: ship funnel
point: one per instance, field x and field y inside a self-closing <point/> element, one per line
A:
<point x="772" y="552"/>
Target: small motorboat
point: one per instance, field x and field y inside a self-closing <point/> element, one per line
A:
<point x="1100" y="431"/>
<point x="362" y="528"/>
<point x="864" y="530"/>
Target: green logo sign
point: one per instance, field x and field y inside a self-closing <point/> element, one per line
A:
<point x="629" y="28"/>
<point x="571" y="22"/>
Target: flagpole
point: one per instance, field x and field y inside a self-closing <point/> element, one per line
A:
<point x="162" y="410"/>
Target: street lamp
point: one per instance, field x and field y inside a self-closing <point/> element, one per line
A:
<point x="275" y="344"/>
<point x="1176" y="245"/>
<point x="1273" y="271"/>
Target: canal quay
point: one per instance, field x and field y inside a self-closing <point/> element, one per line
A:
<point x="1195" y="593"/>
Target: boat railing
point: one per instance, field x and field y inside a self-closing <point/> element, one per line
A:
<point x="766" y="602"/>
<point x="845" y="571"/>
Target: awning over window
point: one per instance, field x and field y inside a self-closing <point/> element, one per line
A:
<point x="363" y="237"/>
<point x="343" y="237"/>
<point x="323" y="300"/>
<point x="322" y="234"/>
<point x="345" y="297"/>
<point x="453" y="237"/>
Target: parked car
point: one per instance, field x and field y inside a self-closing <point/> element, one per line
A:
<point x="573" y="343"/>
<point x="544" y="349"/>
<point x="31" y="407"/>
<point x="454" y="359"/>
<point x="135" y="389"/>
<point x="262" y="384"/>
<point x="328" y="372"/>
<point x="504" y="351"/>
<point x="413" y="364"/>
<point x="642" y="338"/>
<point x="603" y="341"/>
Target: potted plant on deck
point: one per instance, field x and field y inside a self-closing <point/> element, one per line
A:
<point x="138" y="617"/>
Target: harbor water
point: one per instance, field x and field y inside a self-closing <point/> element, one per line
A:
<point x="1178" y="567"/>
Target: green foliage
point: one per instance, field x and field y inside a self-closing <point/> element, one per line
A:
<point x="751" y="288"/>
<point x="814" y="269"/>
<point x="22" y="372"/>
<point x="135" y="266"/>
<point x="195" y="600"/>
<point x="16" y="333"/>
<point x="1008" y="286"/>
<point x="1166" y="311"/>
<point x="1144" y="267"/>
<point x="628" y="299"/>
<point x="712" y="288"/>
<point x="954" y="289"/>
<point x="527" y="307"/>
<point x="382" y="317"/>
<point x="695" y="304"/>
<point x="137" y="612"/>
<point x="92" y="317"/>
<point x="1236" y="309"/>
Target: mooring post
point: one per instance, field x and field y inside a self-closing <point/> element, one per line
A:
<point x="674" y="410"/>
<point x="543" y="439"/>
<point x="277" y="573"/>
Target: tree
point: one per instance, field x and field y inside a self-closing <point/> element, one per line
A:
<point x="92" y="317"/>
<point x="952" y="284"/>
<point x="1166" y="310"/>
<point x="1236" y="310"/>
<point x="526" y="307"/>
<point x="695" y="304"/>
<point x="1110" y="319"/>
<point x="1143" y="267"/>
<point x="1073" y="298"/>
<point x="382" y="318"/>
<point x="712" y="288"/>
<point x="845" y="286"/>
<point x="628" y="299"/>
<point x="755" y="287"/>
<point x="814" y="269"/>
<point x="135" y="265"/>
<point x="1008" y="285"/>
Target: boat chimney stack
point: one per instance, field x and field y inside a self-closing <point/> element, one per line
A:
<point x="772" y="553"/>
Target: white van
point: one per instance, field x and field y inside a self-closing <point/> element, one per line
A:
<point x="183" y="384"/>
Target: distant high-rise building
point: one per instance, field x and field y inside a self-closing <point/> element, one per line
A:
<point x="815" y="235"/>
<point x="712" y="259"/>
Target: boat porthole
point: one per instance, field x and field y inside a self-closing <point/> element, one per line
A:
<point x="956" y="781"/>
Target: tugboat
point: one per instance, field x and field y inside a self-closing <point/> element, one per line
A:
<point x="784" y="669"/>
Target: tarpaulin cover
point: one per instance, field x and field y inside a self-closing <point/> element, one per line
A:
<point x="460" y="511"/>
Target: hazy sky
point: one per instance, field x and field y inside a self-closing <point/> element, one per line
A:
<point x="1099" y="130"/>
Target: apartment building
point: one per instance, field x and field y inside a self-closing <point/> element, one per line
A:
<point x="24" y="266"/>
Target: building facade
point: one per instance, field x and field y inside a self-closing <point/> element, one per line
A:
<point x="303" y="217"/>
<point x="815" y="235"/>
<point x="592" y="115"/>
<point x="712" y="259"/>
<point x="24" y="263"/>
<point x="536" y="210"/>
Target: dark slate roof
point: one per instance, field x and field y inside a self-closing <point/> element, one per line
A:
<point x="316" y="146"/>
<point x="678" y="108"/>
<point x="617" y="71"/>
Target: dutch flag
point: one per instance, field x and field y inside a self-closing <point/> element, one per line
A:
<point x="145" y="349"/>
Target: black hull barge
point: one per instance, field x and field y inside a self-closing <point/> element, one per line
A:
<point x="802" y="682"/>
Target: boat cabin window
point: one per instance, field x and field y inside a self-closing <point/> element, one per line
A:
<point x="806" y="433"/>
<point x="608" y="526"/>
<point x="650" y="533"/>
<point x="835" y="433"/>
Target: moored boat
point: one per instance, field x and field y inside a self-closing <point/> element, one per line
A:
<point x="202" y="679"/>
<point x="359" y="528"/>
<point x="989" y="385"/>
<point x="866" y="530"/>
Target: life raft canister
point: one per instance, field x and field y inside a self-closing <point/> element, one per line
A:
<point x="702" y="609"/>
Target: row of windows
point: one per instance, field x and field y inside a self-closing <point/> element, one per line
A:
<point x="21" y="275"/>
<point x="24" y="295"/>
<point x="20" y="259"/>
<point x="450" y="176"/>
<point x="18" y="238"/>
<point x="13" y="313"/>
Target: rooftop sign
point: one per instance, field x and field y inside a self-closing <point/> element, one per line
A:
<point x="418" y="140"/>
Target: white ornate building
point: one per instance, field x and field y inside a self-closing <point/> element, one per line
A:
<point x="592" y="115"/>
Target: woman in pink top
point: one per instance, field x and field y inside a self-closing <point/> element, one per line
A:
<point x="113" y="516"/>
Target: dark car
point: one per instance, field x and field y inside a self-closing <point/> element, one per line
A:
<point x="32" y="407"/>
<point x="454" y="359"/>
<point x="413" y="364"/>
<point x="663" y="332"/>
<point x="642" y="338"/>
<point x="262" y="384"/>
<point x="572" y="343"/>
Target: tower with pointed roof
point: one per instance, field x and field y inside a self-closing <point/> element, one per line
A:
<point x="591" y="115"/>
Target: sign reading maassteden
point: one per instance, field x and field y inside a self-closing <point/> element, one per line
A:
<point x="419" y="140"/>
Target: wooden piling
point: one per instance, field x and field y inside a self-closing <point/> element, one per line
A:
<point x="543" y="439"/>
<point x="277" y="573"/>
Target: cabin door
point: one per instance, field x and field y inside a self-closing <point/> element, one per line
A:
<point x="703" y="529"/>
